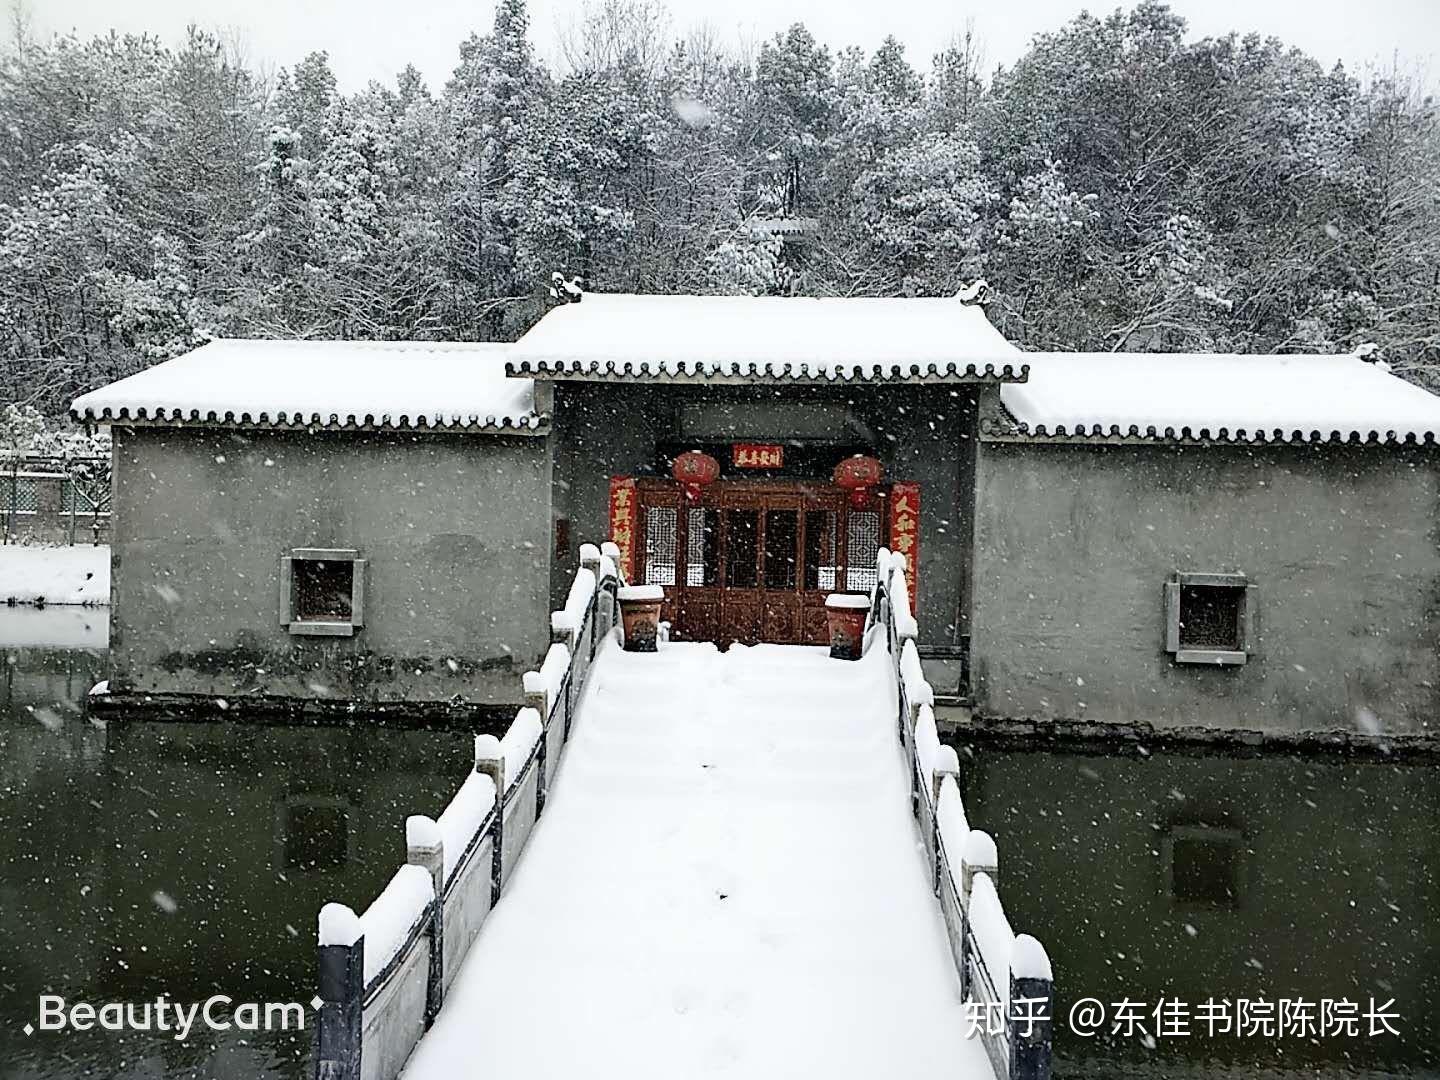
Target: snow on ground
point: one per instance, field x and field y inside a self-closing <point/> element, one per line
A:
<point x="54" y="575"/>
<point x="726" y="882"/>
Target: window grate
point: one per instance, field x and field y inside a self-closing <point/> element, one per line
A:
<point x="323" y="590"/>
<point x="1210" y="616"/>
<point x="86" y="499"/>
<point x="661" y="523"/>
<point x="702" y="548"/>
<point x="862" y="539"/>
<point x="20" y="494"/>
<point x="820" y="534"/>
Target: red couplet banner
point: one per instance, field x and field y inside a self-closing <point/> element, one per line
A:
<point x="905" y="533"/>
<point x="622" y="521"/>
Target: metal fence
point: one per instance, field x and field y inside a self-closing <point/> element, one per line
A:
<point x="54" y="499"/>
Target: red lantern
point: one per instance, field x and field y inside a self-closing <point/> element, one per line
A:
<point x="694" y="470"/>
<point x="858" y="475"/>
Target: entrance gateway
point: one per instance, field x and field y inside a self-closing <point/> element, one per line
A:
<point x="751" y="558"/>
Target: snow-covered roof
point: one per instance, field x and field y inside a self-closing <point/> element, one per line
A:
<point x="749" y="339"/>
<point x="408" y="385"/>
<point x="1215" y="398"/>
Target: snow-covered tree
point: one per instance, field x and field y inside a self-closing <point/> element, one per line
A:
<point x="1121" y="185"/>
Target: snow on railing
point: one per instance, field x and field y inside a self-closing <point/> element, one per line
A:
<point x="1005" y="976"/>
<point x="384" y="972"/>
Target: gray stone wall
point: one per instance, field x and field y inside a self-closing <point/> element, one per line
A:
<point x="454" y="530"/>
<point x="1073" y="545"/>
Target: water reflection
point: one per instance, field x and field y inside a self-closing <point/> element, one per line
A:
<point x="140" y="858"/>
<point x="1174" y="876"/>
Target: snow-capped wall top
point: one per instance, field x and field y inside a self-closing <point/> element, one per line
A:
<point x="459" y="386"/>
<point x="747" y="339"/>
<point x="1214" y="398"/>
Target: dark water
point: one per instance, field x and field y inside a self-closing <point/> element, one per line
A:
<point x="141" y="858"/>
<point x="1190" y="877"/>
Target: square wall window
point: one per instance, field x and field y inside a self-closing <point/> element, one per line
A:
<point x="322" y="591"/>
<point x="1209" y="618"/>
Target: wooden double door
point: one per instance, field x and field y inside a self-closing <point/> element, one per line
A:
<point x="753" y="561"/>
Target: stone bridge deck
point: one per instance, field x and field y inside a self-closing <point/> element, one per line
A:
<point x="727" y="880"/>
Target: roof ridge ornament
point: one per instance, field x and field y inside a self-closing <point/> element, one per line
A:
<point x="977" y="292"/>
<point x="565" y="290"/>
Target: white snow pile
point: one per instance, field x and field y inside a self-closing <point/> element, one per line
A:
<point x="396" y="384"/>
<point x="917" y="687"/>
<point x="577" y="602"/>
<point x="905" y="624"/>
<point x="525" y="732"/>
<point x="785" y="337"/>
<point x="641" y="592"/>
<point x="422" y="832"/>
<point x="387" y="922"/>
<point x="930" y="754"/>
<point x="338" y="925"/>
<point x="954" y="827"/>
<point x="551" y="675"/>
<point x="55" y="575"/>
<point x="1029" y="960"/>
<point x="1251" y="397"/>
<point x="465" y="814"/>
<point x="992" y="931"/>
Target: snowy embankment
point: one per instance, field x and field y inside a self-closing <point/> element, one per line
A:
<point x="55" y="575"/>
<point x="726" y="881"/>
<point x="54" y="628"/>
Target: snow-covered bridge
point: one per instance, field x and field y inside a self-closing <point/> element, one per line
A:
<point x="727" y="878"/>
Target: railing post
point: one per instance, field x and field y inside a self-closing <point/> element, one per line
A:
<point x="535" y="694"/>
<point x="1032" y="1003"/>
<point x="342" y="994"/>
<point x="425" y="846"/>
<point x="14" y="499"/>
<point x="537" y="697"/>
<point x="978" y="855"/>
<point x="490" y="762"/>
<point x="946" y="764"/>
<point x="590" y="560"/>
<point x="611" y="550"/>
<point x="74" y="497"/>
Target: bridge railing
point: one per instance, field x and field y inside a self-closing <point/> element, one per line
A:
<point x="1005" y="978"/>
<point x="384" y="973"/>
